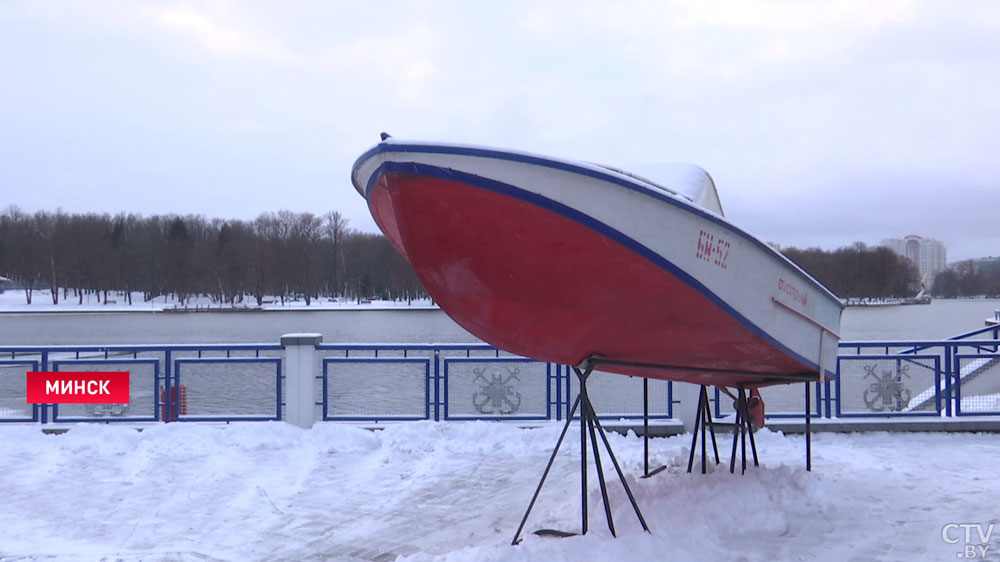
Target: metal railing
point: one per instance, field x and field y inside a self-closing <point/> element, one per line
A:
<point x="353" y="382"/>
<point x="959" y="376"/>
<point x="464" y="382"/>
<point x="167" y="382"/>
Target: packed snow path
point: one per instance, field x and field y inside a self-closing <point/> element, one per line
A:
<point x="456" y="491"/>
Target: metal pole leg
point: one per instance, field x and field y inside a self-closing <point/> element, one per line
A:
<point x="808" y="429"/>
<point x="711" y="426"/>
<point x="645" y="427"/>
<point x="704" y="443"/>
<point x="743" y="430"/>
<point x="545" y="474"/>
<point x="621" y="475"/>
<point x="694" y="430"/>
<point x="591" y="420"/>
<point x="588" y="423"/>
<point x="584" y="400"/>
<point x="737" y="427"/>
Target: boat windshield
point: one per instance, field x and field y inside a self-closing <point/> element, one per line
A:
<point x="688" y="182"/>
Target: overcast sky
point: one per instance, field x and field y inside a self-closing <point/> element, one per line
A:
<point x="823" y="123"/>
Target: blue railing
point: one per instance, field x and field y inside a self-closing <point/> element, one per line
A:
<point x="167" y="382"/>
<point x="958" y="376"/>
<point x="354" y="382"/>
<point x="463" y="382"/>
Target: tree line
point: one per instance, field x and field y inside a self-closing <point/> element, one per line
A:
<point x="969" y="279"/>
<point x="279" y="254"/>
<point x="288" y="255"/>
<point x="859" y="271"/>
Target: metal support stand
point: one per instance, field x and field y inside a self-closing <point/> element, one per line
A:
<point x="703" y="420"/>
<point x="809" y="457"/>
<point x="740" y="432"/>
<point x="645" y="427"/>
<point x="646" y="473"/>
<point x="589" y="425"/>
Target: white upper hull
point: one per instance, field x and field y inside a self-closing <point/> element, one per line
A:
<point x="761" y="288"/>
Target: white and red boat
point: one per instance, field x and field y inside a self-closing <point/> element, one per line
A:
<point x="563" y="261"/>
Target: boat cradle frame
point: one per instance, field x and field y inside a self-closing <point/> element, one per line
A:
<point x="590" y="425"/>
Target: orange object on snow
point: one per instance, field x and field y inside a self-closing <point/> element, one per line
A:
<point x="755" y="408"/>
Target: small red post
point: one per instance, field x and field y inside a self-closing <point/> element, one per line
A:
<point x="178" y="403"/>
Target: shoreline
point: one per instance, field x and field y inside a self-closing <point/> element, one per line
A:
<point x="12" y="303"/>
<point x="164" y="310"/>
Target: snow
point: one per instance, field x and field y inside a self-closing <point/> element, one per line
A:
<point x="13" y="300"/>
<point x="981" y="403"/>
<point x="456" y="491"/>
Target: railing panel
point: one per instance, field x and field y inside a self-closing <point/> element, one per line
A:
<point x="370" y="389"/>
<point x="881" y="385"/>
<point x="14" y="391"/>
<point x="496" y="388"/>
<point x="780" y="401"/>
<point x="620" y="397"/>
<point x="143" y="382"/>
<point x="233" y="388"/>
<point x="978" y="384"/>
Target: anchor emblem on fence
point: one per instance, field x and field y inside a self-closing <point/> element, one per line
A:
<point x="496" y="395"/>
<point x="101" y="410"/>
<point x="887" y="391"/>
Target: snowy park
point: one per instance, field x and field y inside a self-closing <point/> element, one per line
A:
<point x="457" y="491"/>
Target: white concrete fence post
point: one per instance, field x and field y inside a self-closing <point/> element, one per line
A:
<point x="686" y="395"/>
<point x="300" y="378"/>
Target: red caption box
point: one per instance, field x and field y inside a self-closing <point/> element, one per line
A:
<point x="78" y="387"/>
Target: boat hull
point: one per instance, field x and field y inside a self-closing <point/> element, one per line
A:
<point x="515" y="252"/>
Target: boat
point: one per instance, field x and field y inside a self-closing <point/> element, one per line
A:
<point x="569" y="262"/>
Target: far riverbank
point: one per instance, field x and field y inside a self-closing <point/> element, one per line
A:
<point x="397" y="323"/>
<point x="14" y="302"/>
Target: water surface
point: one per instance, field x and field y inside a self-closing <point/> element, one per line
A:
<point x="940" y="319"/>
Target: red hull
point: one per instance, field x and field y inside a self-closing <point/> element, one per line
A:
<point x="536" y="283"/>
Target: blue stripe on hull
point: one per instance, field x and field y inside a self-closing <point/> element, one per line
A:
<point x="386" y="148"/>
<point x="570" y="213"/>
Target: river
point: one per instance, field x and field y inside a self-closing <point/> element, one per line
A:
<point x="393" y="390"/>
<point x="940" y="319"/>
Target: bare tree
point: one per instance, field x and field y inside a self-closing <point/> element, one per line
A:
<point x="24" y="251"/>
<point x="282" y="254"/>
<point x="858" y="271"/>
<point x="334" y="230"/>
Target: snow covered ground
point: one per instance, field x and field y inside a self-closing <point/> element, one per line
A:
<point x="41" y="301"/>
<point x="456" y="491"/>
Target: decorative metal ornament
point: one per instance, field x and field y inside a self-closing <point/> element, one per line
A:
<point x="887" y="391"/>
<point x="496" y="395"/>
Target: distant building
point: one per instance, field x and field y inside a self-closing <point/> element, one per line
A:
<point x="929" y="255"/>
